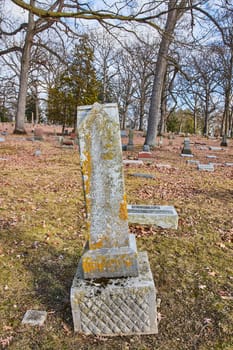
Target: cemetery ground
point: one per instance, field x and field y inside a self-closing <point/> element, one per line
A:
<point x="42" y="234"/>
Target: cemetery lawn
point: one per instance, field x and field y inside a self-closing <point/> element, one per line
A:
<point x="42" y="233"/>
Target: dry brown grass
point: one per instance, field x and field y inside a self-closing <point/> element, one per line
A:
<point x="42" y="236"/>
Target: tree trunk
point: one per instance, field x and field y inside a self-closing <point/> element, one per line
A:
<point x="160" y="71"/>
<point x="23" y="80"/>
<point x="206" y="119"/>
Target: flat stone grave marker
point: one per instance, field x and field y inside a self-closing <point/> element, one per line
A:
<point x="186" y="155"/>
<point x="145" y="155"/>
<point x="229" y="164"/>
<point x="160" y="215"/>
<point x="160" y="165"/>
<point x="193" y="161"/>
<point x="132" y="161"/>
<point x="113" y="292"/>
<point x="214" y="148"/>
<point x="202" y="148"/>
<point x="205" y="167"/>
<point x="147" y="176"/>
<point x="2" y="139"/>
<point x="211" y="156"/>
<point x="34" y="317"/>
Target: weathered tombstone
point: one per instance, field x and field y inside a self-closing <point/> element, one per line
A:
<point x="146" y="148"/>
<point x="160" y="142"/>
<point x="205" y="167"/>
<point x="113" y="290"/>
<point x="38" y="134"/>
<point x="124" y="133"/>
<point x="213" y="148"/>
<point x="146" y="176"/>
<point x="147" y="156"/>
<point x="211" y="156"/>
<point x="186" y="151"/>
<point x="132" y="162"/>
<point x="37" y="153"/>
<point x="130" y="145"/>
<point x="2" y="139"/>
<point x="34" y="317"/>
<point x="193" y="161"/>
<point x="160" y="215"/>
<point x="224" y="141"/>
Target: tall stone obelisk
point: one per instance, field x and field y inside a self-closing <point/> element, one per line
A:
<point x="113" y="291"/>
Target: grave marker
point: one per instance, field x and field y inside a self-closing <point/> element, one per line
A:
<point x="205" y="167"/>
<point x="130" y="145"/>
<point x="214" y="148"/>
<point x="186" y="151"/>
<point x="34" y="317"/>
<point x="145" y="156"/>
<point x="160" y="215"/>
<point x="113" y="282"/>
<point x="224" y="141"/>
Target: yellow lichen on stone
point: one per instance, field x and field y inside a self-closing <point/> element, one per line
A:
<point x="86" y="169"/>
<point x="96" y="245"/>
<point x="123" y="212"/>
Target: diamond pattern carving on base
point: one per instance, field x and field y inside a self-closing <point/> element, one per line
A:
<point x="118" y="307"/>
<point x="121" y="314"/>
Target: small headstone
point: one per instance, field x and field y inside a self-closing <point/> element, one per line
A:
<point x="132" y="161"/>
<point x="217" y="164"/>
<point x="67" y="142"/>
<point x="186" y="155"/>
<point x="2" y="139"/>
<point x="34" y="317"/>
<point x="159" y="215"/>
<point x="211" y="156"/>
<point x="124" y="133"/>
<point x="146" y="148"/>
<point x="160" y="165"/>
<point x="37" y="153"/>
<point x="30" y="139"/>
<point x="130" y="146"/>
<point x="145" y="155"/>
<point x="229" y="164"/>
<point x="224" y="141"/>
<point x="186" y="151"/>
<point x="193" y="161"/>
<point x="38" y="134"/>
<point x="202" y="148"/>
<point x="213" y="148"/>
<point x="205" y="167"/>
<point x="146" y="176"/>
<point x="160" y="142"/>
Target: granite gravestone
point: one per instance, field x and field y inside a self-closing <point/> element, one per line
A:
<point x="186" y="151"/>
<point x="130" y="145"/>
<point x="113" y="290"/>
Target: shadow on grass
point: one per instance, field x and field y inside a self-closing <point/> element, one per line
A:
<point x="51" y="267"/>
<point x="53" y="271"/>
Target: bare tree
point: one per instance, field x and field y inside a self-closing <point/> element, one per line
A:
<point x="176" y="9"/>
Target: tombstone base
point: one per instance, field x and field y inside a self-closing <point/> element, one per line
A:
<point x="129" y="147"/>
<point x="159" y="215"/>
<point x="111" y="262"/>
<point x="110" y="307"/>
